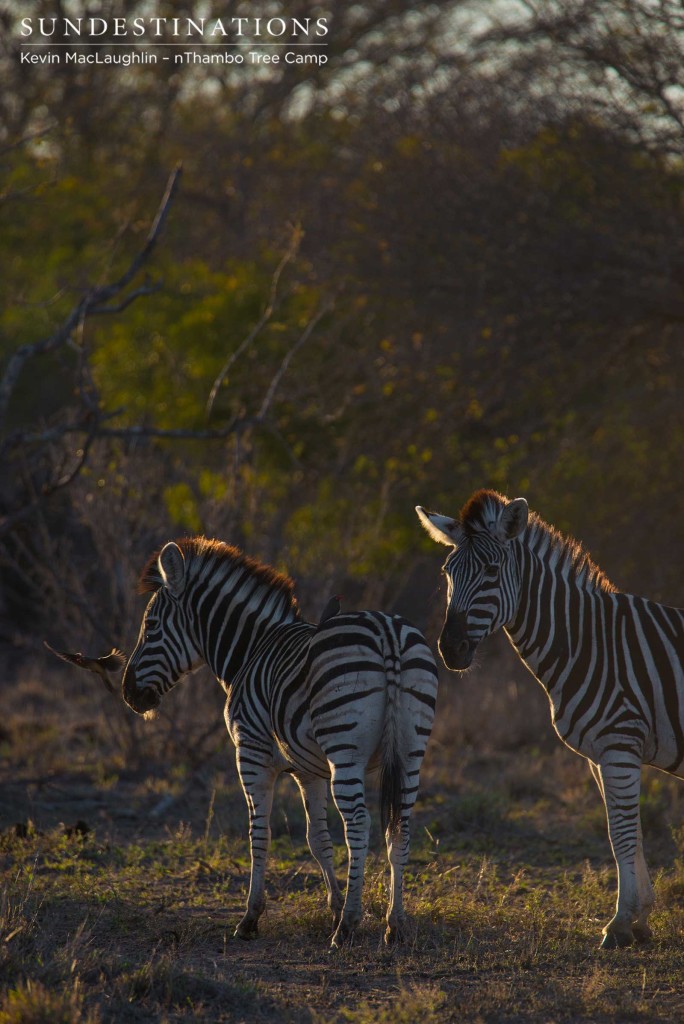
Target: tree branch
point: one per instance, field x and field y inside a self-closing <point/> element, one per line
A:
<point x="290" y="253"/>
<point x="282" y="369"/>
<point x="91" y="303"/>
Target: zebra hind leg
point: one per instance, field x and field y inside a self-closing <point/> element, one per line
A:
<point x="257" y="783"/>
<point x="416" y="714"/>
<point x="398" y="851"/>
<point x="315" y="798"/>
<point x="348" y="786"/>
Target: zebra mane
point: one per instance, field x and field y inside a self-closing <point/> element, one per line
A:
<point x="481" y="511"/>
<point x="566" y="551"/>
<point x="203" y="550"/>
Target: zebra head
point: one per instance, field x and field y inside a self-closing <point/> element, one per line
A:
<point x="165" y="650"/>
<point x="483" y="577"/>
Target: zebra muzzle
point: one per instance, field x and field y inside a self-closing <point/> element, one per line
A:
<point x="140" y="699"/>
<point x="454" y="646"/>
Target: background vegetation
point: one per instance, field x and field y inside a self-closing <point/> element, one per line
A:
<point x="453" y="257"/>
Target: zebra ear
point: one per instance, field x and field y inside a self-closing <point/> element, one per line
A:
<point x="441" y="528"/>
<point x="513" y="519"/>
<point x="172" y="567"/>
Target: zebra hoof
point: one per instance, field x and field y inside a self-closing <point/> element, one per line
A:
<point x="336" y="917"/>
<point x="642" y="933"/>
<point x="247" y="930"/>
<point x="344" y="936"/>
<point x="395" y="933"/>
<point x="617" y="940"/>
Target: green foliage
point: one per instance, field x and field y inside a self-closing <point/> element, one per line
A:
<point x="506" y="310"/>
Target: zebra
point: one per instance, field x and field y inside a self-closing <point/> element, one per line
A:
<point x="610" y="662"/>
<point x="355" y="692"/>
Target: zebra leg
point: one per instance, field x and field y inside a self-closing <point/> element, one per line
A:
<point x="257" y="782"/>
<point x="348" y="787"/>
<point x="315" y="798"/>
<point x="646" y="895"/>
<point x="398" y="850"/>
<point x="620" y="784"/>
<point x="397" y="853"/>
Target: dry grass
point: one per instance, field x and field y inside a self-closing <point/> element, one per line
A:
<point x="124" y="867"/>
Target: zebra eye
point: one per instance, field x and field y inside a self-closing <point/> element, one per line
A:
<point x="491" y="571"/>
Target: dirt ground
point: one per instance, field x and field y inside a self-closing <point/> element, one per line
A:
<point x="125" y="866"/>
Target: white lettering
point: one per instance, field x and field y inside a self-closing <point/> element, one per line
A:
<point x="271" y="22"/>
<point x="69" y="24"/>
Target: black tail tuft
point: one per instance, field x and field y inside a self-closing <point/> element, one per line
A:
<point x="390" y="793"/>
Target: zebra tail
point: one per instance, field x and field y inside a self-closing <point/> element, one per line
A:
<point x="391" y="770"/>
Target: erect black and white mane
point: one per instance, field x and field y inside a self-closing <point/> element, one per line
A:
<point x="203" y="556"/>
<point x="560" y="552"/>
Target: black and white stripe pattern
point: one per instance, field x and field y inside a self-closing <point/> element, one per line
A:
<point x="320" y="702"/>
<point x="611" y="663"/>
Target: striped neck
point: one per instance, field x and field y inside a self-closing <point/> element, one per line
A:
<point x="234" y="603"/>
<point x="558" y="583"/>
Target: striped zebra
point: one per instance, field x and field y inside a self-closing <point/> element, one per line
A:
<point x="610" y="662"/>
<point x="355" y="693"/>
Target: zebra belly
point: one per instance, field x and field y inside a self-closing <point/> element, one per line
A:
<point x="666" y="758"/>
<point x="658" y="749"/>
<point x="304" y="757"/>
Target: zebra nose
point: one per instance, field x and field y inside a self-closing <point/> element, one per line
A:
<point x="140" y="699"/>
<point x="454" y="645"/>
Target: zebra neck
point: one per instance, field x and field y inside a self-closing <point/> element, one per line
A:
<point x="234" y="616"/>
<point x="555" y="603"/>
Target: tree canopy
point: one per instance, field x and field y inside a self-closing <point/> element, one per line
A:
<point x="451" y="257"/>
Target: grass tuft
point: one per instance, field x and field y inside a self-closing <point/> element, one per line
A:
<point x="32" y="1002"/>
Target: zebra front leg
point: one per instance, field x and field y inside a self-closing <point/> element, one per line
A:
<point x="315" y="797"/>
<point x="645" y="893"/>
<point x="257" y="782"/>
<point x="620" y="783"/>
<point x="348" y="787"/>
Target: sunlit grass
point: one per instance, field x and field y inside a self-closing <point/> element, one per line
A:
<point x="129" y="915"/>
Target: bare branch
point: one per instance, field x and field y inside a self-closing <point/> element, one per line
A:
<point x="176" y="434"/>
<point x="282" y="369"/>
<point x="61" y="480"/>
<point x="91" y="303"/>
<point x="290" y="253"/>
<point x="29" y="137"/>
<point x="146" y="289"/>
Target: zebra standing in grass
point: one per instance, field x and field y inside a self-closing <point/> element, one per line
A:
<point x="356" y="692"/>
<point x="610" y="662"/>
